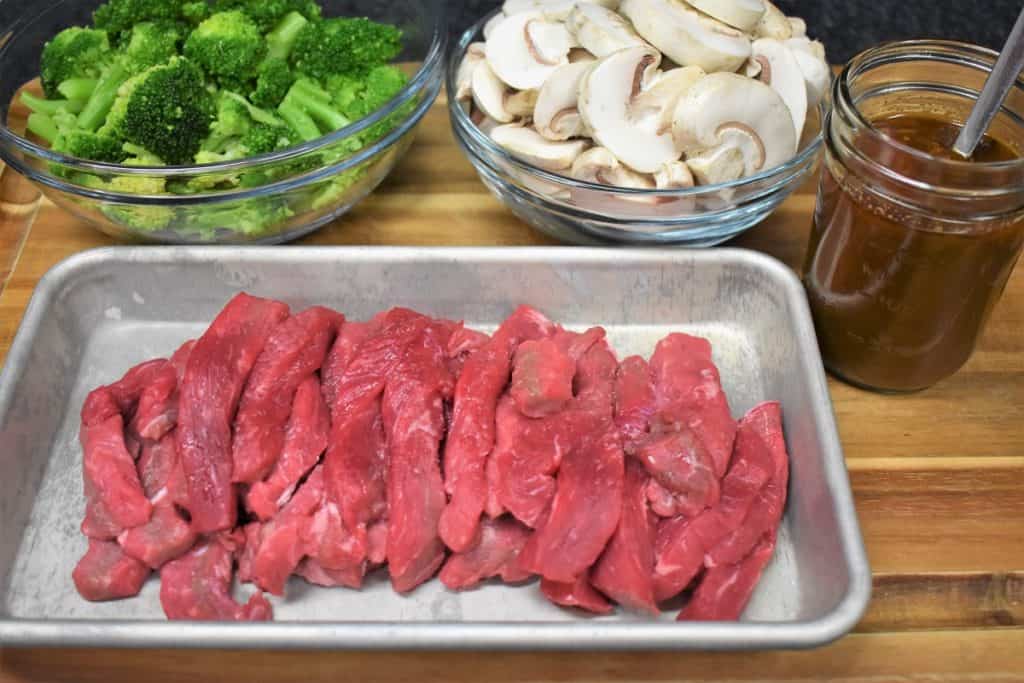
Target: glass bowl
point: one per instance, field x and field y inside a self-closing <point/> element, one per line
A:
<point x="287" y="194"/>
<point x="582" y="212"/>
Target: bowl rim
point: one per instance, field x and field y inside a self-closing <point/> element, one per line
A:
<point x="419" y="81"/>
<point x="464" y="125"/>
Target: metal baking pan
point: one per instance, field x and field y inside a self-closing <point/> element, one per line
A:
<point x="100" y="312"/>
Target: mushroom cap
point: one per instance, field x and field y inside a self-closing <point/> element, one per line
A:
<point x="489" y="93"/>
<point x="740" y="14"/>
<point x="664" y="92"/>
<point x="492" y="24"/>
<point x="521" y="103"/>
<point x="779" y="69"/>
<point x="600" y="30"/>
<point x="598" y="165"/>
<point x="797" y="26"/>
<point x="810" y="57"/>
<point x="606" y="104"/>
<point x="530" y="146"/>
<point x="555" y="114"/>
<point x="773" y="24"/>
<point x="673" y="175"/>
<point x="730" y="110"/>
<point x="526" y="48"/>
<point x="686" y="36"/>
<point x="464" y="76"/>
<point x="718" y="165"/>
<point x="552" y="9"/>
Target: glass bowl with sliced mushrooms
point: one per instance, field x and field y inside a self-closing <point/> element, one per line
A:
<point x="640" y="121"/>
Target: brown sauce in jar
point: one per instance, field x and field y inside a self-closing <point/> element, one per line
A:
<point x="900" y="294"/>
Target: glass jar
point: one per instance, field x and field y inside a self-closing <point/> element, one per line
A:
<point x="910" y="250"/>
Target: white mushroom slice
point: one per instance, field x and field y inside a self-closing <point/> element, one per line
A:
<point x="733" y="111"/>
<point x="741" y="14"/>
<point x="600" y="30"/>
<point x="490" y="94"/>
<point x="752" y="68"/>
<point x="492" y="24"/>
<point x="797" y="26"/>
<point x="530" y="146"/>
<point x="810" y="57"/>
<point x="526" y="48"/>
<point x="464" y="76"/>
<point x="673" y="175"/>
<point x="598" y="165"/>
<point x="520" y="104"/>
<point x="719" y="165"/>
<point x="664" y="92"/>
<point x="780" y="70"/>
<point x="686" y="36"/>
<point x="580" y="54"/>
<point x="555" y="115"/>
<point x="552" y="9"/>
<point x="773" y="24"/>
<point x="484" y="122"/>
<point x="607" y="101"/>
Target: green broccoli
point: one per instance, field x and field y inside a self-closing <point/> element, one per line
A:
<point x="228" y="46"/>
<point x="117" y="16"/>
<point x="242" y="130"/>
<point x="75" y="52"/>
<point x="194" y="12"/>
<point x="151" y="43"/>
<point x="267" y="13"/>
<point x="357" y="98"/>
<point x="281" y="39"/>
<point x="165" y="109"/>
<point x="272" y="83"/>
<point x="85" y="145"/>
<point x="344" y="46"/>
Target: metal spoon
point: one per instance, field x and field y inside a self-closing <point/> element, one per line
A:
<point x="1004" y="74"/>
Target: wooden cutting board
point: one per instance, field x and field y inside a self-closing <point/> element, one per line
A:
<point x="938" y="479"/>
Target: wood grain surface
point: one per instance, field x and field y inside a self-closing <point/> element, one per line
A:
<point x="938" y="479"/>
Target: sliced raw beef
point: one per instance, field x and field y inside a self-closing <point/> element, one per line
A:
<point x="471" y="435"/>
<point x="294" y="351"/>
<point x="305" y="440"/>
<point x="500" y="541"/>
<point x="163" y="480"/>
<point x="157" y="412"/>
<point x="625" y="571"/>
<point x="197" y="586"/>
<point x="724" y="591"/>
<point x="412" y="409"/>
<point x="761" y="428"/>
<point x="346" y="345"/>
<point x="109" y="470"/>
<point x="690" y="392"/>
<point x="588" y="500"/>
<point x="463" y="343"/>
<point x="105" y="572"/>
<point x="98" y="522"/>
<point x="215" y="375"/>
<point x="164" y="537"/>
<point x="541" y="378"/>
<point x="578" y="593"/>
<point x="678" y="558"/>
<point x="682" y="468"/>
<point x="634" y="402"/>
<point x="124" y="393"/>
<point x="313" y="572"/>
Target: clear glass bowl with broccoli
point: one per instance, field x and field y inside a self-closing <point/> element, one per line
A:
<point x="216" y="120"/>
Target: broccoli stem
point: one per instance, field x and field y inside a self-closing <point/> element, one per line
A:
<point x="102" y="99"/>
<point x="77" y="88"/>
<point x="43" y="126"/>
<point x="311" y="90"/>
<point x="299" y="120"/>
<point x="42" y="106"/>
<point x="317" y="103"/>
<point x="282" y="38"/>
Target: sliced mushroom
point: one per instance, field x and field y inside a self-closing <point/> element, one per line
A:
<point x="464" y="76"/>
<point x="810" y="57"/>
<point x="490" y="94"/>
<point x="556" y="115"/>
<point x="664" y="92"/>
<point x="600" y="30"/>
<point x="520" y="104"/>
<point x="580" y="54"/>
<point x="484" y="122"/>
<point x="797" y="26"/>
<point x="607" y="102"/>
<point x="779" y="69"/>
<point x="552" y="9"/>
<point x="773" y="24"/>
<point x="492" y="24"/>
<point x="740" y="14"/>
<point x="675" y="175"/>
<point x="598" y="165"/>
<point x="530" y="146"/>
<point x="726" y="111"/>
<point x="526" y="48"/>
<point x="686" y="36"/>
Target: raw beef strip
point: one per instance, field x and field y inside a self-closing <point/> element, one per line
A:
<point x="578" y="593"/>
<point x="105" y="572"/>
<point x="471" y="434"/>
<point x="682" y="467"/>
<point x="98" y="522"/>
<point x="541" y="378"/>
<point x="344" y="349"/>
<point x="294" y="350"/>
<point x="414" y="422"/>
<point x="164" y="537"/>
<point x="625" y="571"/>
<point x="157" y="411"/>
<point x="215" y="375"/>
<point x="305" y="439"/>
<point x="313" y="572"/>
<point x="197" y="586"/>
<point x="634" y="402"/>
<point x="690" y="392"/>
<point x="160" y="471"/>
<point x="588" y="500"/>
<point x="124" y="393"/>
<point x="724" y="591"/>
<point x="760" y="428"/>
<point x="493" y="555"/>
<point x="463" y="343"/>
<point x="109" y="473"/>
<point x="679" y="557"/>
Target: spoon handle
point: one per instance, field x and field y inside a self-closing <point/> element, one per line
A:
<point x="998" y="84"/>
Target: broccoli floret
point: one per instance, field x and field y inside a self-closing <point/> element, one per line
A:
<point x="75" y="52"/>
<point x="240" y="130"/>
<point x="165" y="109"/>
<point x="281" y="39"/>
<point x="85" y="145"/>
<point x="267" y="13"/>
<point x="140" y="156"/>
<point x="151" y="43"/>
<point x="116" y="16"/>
<point x="357" y="98"/>
<point x="344" y="46"/>
<point x="228" y="46"/>
<point x="272" y="83"/>
<point x="142" y="218"/>
<point x="194" y="12"/>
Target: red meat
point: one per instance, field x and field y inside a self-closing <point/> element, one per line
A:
<point x="121" y="396"/>
<point x="634" y="402"/>
<point x="347" y="343"/>
<point x="495" y="553"/>
<point x="541" y="378"/>
<point x="164" y="537"/>
<point x="160" y="472"/>
<point x="682" y="466"/>
<point x="294" y="350"/>
<point x="98" y="522"/>
<point x="471" y="435"/>
<point x="197" y="586"/>
<point x="215" y="375"/>
<point x="578" y="593"/>
<point x="679" y="557"/>
<point x="414" y="423"/>
<point x="313" y="572"/>
<point x="305" y="439"/>
<point x="157" y="412"/>
<point x="724" y="591"/>
<point x="110" y="476"/>
<point x="625" y="571"/>
<point x="105" y="572"/>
